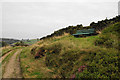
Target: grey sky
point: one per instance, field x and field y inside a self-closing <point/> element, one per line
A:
<point x="23" y="19"/>
<point x="119" y="8"/>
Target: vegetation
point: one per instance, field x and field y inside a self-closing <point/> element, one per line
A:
<point x="8" y="49"/>
<point x="8" y="57"/>
<point x="64" y="56"/>
<point x="5" y="61"/>
<point x="3" y="44"/>
<point x="110" y="37"/>
<point x="69" y="29"/>
<point x="32" y="41"/>
<point x="99" y="26"/>
<point x="66" y="60"/>
<point x="104" y="63"/>
<point x="6" y="41"/>
<point x="33" y="68"/>
<point x="21" y="43"/>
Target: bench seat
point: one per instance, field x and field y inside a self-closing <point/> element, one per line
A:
<point x="84" y="32"/>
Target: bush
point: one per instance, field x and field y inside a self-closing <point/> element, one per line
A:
<point x="108" y="40"/>
<point x="109" y="37"/>
<point x="40" y="52"/>
<point x="54" y="48"/>
<point x="102" y="65"/>
<point x="21" y="43"/>
<point x="4" y="43"/>
<point x="33" y="50"/>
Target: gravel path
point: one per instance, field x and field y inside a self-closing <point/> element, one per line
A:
<point x="12" y="68"/>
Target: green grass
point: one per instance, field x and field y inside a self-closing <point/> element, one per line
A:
<point x="6" y="50"/>
<point x="30" y="42"/>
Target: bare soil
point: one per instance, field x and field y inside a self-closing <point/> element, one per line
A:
<point x="12" y="68"/>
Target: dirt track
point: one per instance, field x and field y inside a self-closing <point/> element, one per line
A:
<point x="12" y="68"/>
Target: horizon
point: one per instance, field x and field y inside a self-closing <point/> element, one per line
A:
<point x="38" y="19"/>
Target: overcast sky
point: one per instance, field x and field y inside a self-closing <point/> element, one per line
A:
<point x="37" y="18"/>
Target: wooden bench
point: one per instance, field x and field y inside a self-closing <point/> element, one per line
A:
<point x="84" y="32"/>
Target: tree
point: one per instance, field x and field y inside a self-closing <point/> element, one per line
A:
<point x="4" y="44"/>
<point x="91" y="24"/>
<point x="37" y="39"/>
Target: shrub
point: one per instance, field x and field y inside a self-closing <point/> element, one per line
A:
<point x="108" y="40"/>
<point x="102" y="65"/>
<point x="33" y="50"/>
<point x="21" y="43"/>
<point x="40" y="52"/>
<point x="3" y="43"/>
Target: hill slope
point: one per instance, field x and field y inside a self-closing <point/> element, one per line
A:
<point x="69" y="57"/>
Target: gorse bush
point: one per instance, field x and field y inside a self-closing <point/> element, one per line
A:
<point x="104" y="64"/>
<point x="109" y="37"/>
<point x="108" y="40"/>
<point x="114" y="29"/>
<point x="54" y="48"/>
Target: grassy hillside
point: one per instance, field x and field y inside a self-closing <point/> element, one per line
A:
<point x="69" y="57"/>
<point x="30" y="42"/>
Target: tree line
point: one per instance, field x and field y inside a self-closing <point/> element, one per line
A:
<point x="100" y="25"/>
